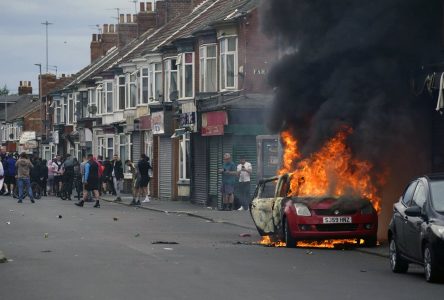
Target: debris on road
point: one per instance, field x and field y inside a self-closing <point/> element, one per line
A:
<point x="309" y="252"/>
<point x="60" y="216"/>
<point x="46" y="251"/>
<point x="164" y="243"/>
<point x="137" y="235"/>
<point x="116" y="219"/>
<point x="245" y="235"/>
<point x="363" y="271"/>
<point x="11" y="210"/>
<point x="168" y="249"/>
<point x="46" y="235"/>
<point x="8" y="222"/>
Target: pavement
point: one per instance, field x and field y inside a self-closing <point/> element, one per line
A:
<point x="241" y="219"/>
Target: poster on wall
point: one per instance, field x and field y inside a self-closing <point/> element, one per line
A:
<point x="157" y="122"/>
<point x="213" y="123"/>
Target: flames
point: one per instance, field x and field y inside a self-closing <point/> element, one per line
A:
<point x="329" y="244"/>
<point x="332" y="171"/>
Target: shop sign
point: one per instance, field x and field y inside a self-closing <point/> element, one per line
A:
<point x="213" y="123"/>
<point x="187" y="119"/>
<point x="31" y="144"/>
<point x="157" y="122"/>
<point x="145" y="123"/>
<point x="27" y="136"/>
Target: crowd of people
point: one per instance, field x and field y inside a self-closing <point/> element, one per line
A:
<point x="24" y="174"/>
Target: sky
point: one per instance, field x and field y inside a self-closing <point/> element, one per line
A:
<point x="23" y="37"/>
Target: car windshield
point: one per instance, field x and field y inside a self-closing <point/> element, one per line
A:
<point x="437" y="188"/>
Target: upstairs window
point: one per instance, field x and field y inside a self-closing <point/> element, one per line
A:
<point x="132" y="91"/>
<point x="57" y="111"/>
<point x="122" y="93"/>
<point x="92" y="103"/>
<point x="228" y="63"/>
<point x="83" y="105"/>
<point x="208" y="68"/>
<point x="70" y="109"/>
<point x="107" y="97"/>
<point x="186" y="74"/>
<point x="170" y="67"/>
<point x="101" y="105"/>
<point x="144" y="82"/>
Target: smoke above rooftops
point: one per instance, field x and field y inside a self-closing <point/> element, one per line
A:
<point x="350" y="63"/>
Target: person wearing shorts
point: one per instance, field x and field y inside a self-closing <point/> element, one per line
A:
<point x="91" y="181"/>
<point x="143" y="170"/>
<point x="229" y="174"/>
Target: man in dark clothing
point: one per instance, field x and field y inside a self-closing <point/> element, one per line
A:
<point x="91" y="181"/>
<point x="143" y="170"/>
<point x="68" y="174"/>
<point x="117" y="175"/>
<point x="107" y="179"/>
<point x="44" y="176"/>
<point x="9" y="167"/>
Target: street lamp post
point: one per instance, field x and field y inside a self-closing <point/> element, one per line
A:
<point x="40" y="96"/>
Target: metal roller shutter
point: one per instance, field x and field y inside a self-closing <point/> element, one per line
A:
<point x="246" y="146"/>
<point x="200" y="170"/>
<point x="165" y="168"/>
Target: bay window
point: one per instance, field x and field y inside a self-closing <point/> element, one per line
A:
<point x="186" y="74"/>
<point x="170" y="68"/>
<point x="57" y="111"/>
<point x="228" y="63"/>
<point x="208" y="68"/>
<point x="156" y="82"/>
<point x="92" y="102"/>
<point x="144" y="83"/>
<point x="121" y="93"/>
<point x="100" y="99"/>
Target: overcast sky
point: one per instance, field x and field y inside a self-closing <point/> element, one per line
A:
<point x="23" y="41"/>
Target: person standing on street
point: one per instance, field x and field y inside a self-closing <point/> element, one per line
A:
<point x="143" y="169"/>
<point x="229" y="174"/>
<point x="135" y="181"/>
<point x="244" y="170"/>
<point x="91" y="180"/>
<point x="117" y="174"/>
<point x="24" y="166"/>
<point x="68" y="174"/>
<point x="9" y="166"/>
<point x="58" y="174"/>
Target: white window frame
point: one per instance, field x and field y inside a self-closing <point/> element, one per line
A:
<point x="92" y="100"/>
<point x="223" y="63"/>
<point x="58" y="111"/>
<point x="203" y="67"/>
<point x="181" y="69"/>
<point x="184" y="147"/>
<point x="108" y="94"/>
<point x="103" y="145"/>
<point x="168" y="72"/>
<point x="99" y="99"/>
<point x="144" y="85"/>
<point x="121" y="91"/>
<point x="156" y="80"/>
<point x="71" y="108"/>
<point x="126" y="142"/>
<point x="131" y="81"/>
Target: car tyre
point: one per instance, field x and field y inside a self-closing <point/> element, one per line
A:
<point x="397" y="263"/>
<point x="431" y="271"/>
<point x="371" y="241"/>
<point x="290" y="241"/>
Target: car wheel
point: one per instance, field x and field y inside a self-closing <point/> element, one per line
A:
<point x="431" y="272"/>
<point x="397" y="263"/>
<point x="371" y="241"/>
<point x="290" y="241"/>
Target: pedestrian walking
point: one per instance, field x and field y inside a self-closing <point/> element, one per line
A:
<point x="143" y="168"/>
<point x="58" y="174"/>
<point x="68" y="174"/>
<point x="107" y="179"/>
<point x="50" y="184"/>
<point x="9" y="167"/>
<point x="229" y="174"/>
<point x="135" y="181"/>
<point x="23" y="167"/>
<point x="91" y="180"/>
<point x="244" y="170"/>
<point x="117" y="175"/>
<point x="2" y="175"/>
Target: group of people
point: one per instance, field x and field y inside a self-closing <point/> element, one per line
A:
<point x="93" y="176"/>
<point x="230" y="174"/>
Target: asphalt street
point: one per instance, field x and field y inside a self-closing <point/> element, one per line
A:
<point x="56" y="250"/>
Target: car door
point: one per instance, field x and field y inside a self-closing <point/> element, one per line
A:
<point x="399" y="215"/>
<point x="262" y="207"/>
<point x="412" y="227"/>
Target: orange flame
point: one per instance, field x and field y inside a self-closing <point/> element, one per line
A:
<point x="329" y="244"/>
<point x="332" y="171"/>
<point x="266" y="241"/>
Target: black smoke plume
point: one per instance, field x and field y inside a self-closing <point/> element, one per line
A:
<point x="351" y="62"/>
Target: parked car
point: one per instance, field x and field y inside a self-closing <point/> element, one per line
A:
<point x="287" y="218"/>
<point x="416" y="231"/>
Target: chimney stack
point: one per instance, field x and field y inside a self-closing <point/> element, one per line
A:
<point x="111" y="28"/>
<point x="25" y="88"/>
<point x="122" y="19"/>
<point x="128" y="18"/>
<point x="105" y="28"/>
<point x="149" y="6"/>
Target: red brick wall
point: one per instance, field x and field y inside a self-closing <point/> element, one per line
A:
<point x="256" y="54"/>
<point x="33" y="122"/>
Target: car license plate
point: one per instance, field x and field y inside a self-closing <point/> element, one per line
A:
<point x="337" y="220"/>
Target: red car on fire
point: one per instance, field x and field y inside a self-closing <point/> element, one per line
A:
<point x="292" y="219"/>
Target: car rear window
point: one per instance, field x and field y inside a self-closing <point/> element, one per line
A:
<point x="437" y="191"/>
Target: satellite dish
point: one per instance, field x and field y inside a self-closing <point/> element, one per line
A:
<point x="92" y="109"/>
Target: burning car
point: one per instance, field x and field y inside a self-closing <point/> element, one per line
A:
<point x="282" y="214"/>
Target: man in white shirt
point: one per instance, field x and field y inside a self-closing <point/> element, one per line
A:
<point x="244" y="170"/>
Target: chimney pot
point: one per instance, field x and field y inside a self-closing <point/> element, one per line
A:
<point x="21" y="83"/>
<point x="134" y="18"/>
<point x="142" y="6"/>
<point x="149" y="6"/>
<point x="63" y="75"/>
<point x="128" y="18"/>
<point x="105" y="28"/>
<point x="94" y="37"/>
<point x="29" y="83"/>
<point x="122" y="18"/>
<point x="111" y="28"/>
